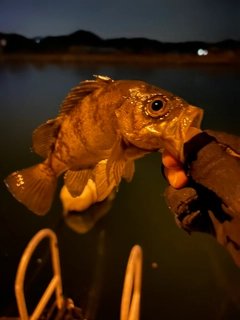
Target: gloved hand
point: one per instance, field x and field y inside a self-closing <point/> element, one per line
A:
<point x="210" y="201"/>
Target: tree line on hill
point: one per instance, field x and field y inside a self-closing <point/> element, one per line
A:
<point x="84" y="41"/>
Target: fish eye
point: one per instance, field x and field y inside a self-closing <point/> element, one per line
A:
<point x="156" y="108"/>
<point x="157" y="105"/>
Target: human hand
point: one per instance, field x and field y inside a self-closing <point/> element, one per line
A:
<point x="210" y="202"/>
<point x="173" y="170"/>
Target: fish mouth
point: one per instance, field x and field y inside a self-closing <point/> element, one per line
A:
<point x="194" y="124"/>
<point x="191" y="122"/>
<point x="185" y="126"/>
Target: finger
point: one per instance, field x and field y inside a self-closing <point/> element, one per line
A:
<point x="169" y="161"/>
<point x="176" y="177"/>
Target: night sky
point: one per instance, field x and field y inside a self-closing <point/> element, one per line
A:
<point x="164" y="20"/>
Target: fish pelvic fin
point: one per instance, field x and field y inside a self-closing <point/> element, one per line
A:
<point x="45" y="136"/>
<point x="34" y="187"/>
<point x="76" y="181"/>
<point x="78" y="93"/>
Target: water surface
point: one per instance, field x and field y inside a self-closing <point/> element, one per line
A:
<point x="195" y="278"/>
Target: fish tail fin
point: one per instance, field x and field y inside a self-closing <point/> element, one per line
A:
<point x="34" y="187"/>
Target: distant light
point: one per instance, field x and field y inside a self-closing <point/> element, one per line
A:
<point x="202" y="52"/>
<point x="3" y="42"/>
<point x="37" y="40"/>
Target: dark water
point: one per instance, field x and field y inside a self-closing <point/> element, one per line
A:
<point x="195" y="278"/>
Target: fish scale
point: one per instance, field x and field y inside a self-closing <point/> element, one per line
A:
<point x="102" y="127"/>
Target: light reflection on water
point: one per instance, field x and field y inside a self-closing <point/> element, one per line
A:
<point x="194" y="276"/>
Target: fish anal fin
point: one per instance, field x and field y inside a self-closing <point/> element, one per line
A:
<point x="104" y="183"/>
<point x="34" y="187"/>
<point x="44" y="137"/>
<point x="129" y="170"/>
<point x="78" y="93"/>
<point x="76" y="181"/>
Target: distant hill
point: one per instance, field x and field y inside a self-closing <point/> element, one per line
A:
<point x="78" y="38"/>
<point x="89" y="42"/>
<point x="17" y="43"/>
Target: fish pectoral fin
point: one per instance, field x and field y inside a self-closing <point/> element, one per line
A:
<point x="117" y="171"/>
<point x="104" y="184"/>
<point x="76" y="181"/>
<point x="129" y="170"/>
<point x="117" y="160"/>
<point x="44" y="137"/>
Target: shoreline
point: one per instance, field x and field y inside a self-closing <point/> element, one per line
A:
<point x="221" y="59"/>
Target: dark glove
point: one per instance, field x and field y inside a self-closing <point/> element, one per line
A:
<point x="211" y="201"/>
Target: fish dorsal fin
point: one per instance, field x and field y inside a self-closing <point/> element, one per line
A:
<point x="78" y="93"/>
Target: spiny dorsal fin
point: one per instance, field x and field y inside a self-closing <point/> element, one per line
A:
<point x="102" y="79"/>
<point x="78" y="93"/>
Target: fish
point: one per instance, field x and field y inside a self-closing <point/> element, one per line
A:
<point x="102" y="127"/>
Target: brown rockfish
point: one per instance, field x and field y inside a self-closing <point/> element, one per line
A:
<point x="102" y="119"/>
